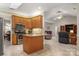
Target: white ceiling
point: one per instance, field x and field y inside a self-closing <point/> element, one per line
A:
<point x="49" y="9"/>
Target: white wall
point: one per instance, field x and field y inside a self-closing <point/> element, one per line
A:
<point x="78" y="32"/>
<point x="78" y="25"/>
<point x="50" y="27"/>
<point x="5" y="15"/>
<point x="7" y="18"/>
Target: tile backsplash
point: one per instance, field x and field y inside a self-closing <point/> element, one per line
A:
<point x="34" y="31"/>
<point x="37" y="31"/>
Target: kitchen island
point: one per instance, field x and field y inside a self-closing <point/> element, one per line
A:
<point x="32" y="43"/>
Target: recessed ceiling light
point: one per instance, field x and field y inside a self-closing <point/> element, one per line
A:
<point x="60" y="17"/>
<point x="39" y="8"/>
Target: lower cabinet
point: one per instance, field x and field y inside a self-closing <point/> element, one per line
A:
<point x="14" y="40"/>
<point x="32" y="43"/>
<point x="73" y="38"/>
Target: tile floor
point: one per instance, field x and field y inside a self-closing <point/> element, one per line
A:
<point x="51" y="48"/>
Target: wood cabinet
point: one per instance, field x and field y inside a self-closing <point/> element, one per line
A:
<point x="32" y="43"/>
<point x="14" y="42"/>
<point x="73" y="38"/>
<point x="34" y="22"/>
<point x="28" y="23"/>
<point x="15" y="20"/>
<point x="23" y="21"/>
<point x="62" y="28"/>
<point x="71" y="27"/>
<point x="37" y="22"/>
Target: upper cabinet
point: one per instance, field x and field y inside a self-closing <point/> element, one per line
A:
<point x="37" y="22"/>
<point x="34" y="22"/>
<point x="28" y="23"/>
<point x="23" y="21"/>
<point x="16" y="20"/>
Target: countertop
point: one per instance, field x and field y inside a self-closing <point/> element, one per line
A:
<point x="33" y="35"/>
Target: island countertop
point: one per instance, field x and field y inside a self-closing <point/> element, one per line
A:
<point x="33" y="35"/>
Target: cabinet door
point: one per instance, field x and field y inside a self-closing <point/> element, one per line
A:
<point x="32" y="44"/>
<point x="14" y="40"/>
<point x="20" y="20"/>
<point x="37" y="22"/>
<point x="15" y="20"/>
<point x="28" y="23"/>
<point x="36" y="43"/>
<point x="23" y="21"/>
<point x="62" y="28"/>
<point x="27" y="44"/>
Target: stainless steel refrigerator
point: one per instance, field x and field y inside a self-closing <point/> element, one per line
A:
<point x="1" y="36"/>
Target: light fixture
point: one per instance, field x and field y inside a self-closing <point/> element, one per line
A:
<point x="37" y="13"/>
<point x="60" y="17"/>
<point x="71" y="31"/>
<point x="39" y="8"/>
<point x="15" y="5"/>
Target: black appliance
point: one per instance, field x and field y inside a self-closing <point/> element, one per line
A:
<point x="63" y="37"/>
<point x="19" y="30"/>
